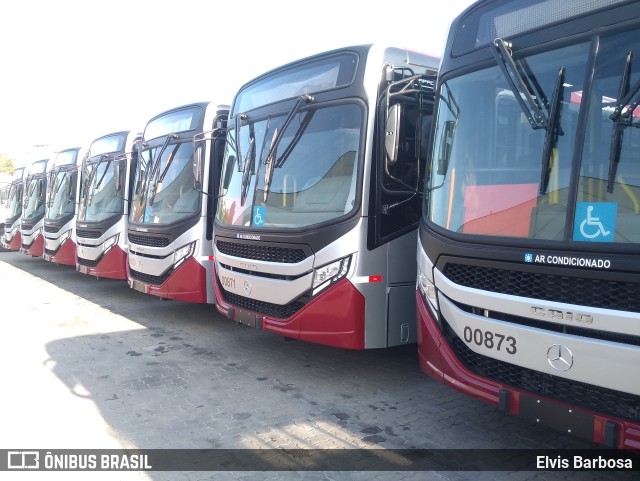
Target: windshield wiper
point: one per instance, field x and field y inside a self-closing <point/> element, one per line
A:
<point x="553" y="131"/>
<point x="236" y="141"/>
<point x="87" y="179"/>
<point x="155" y="165"/>
<point x="530" y="107"/>
<point x="621" y="120"/>
<point x="104" y="173"/>
<point x="270" y="161"/>
<point x="248" y="164"/>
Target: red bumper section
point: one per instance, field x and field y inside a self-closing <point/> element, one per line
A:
<point x="15" y="243"/>
<point x="187" y="283"/>
<point x="66" y="254"/>
<point x="439" y="361"/>
<point x="113" y="265"/>
<point x="334" y="318"/>
<point x="36" y="249"/>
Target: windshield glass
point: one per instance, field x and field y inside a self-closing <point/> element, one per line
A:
<point x="14" y="206"/>
<point x="62" y="195"/>
<point x="105" y="145"/>
<point x="100" y="199"/>
<point x="35" y="198"/>
<point x="314" y="172"/>
<point x="488" y="163"/>
<point x="164" y="188"/>
<point x="66" y="157"/>
<point x="608" y="197"/>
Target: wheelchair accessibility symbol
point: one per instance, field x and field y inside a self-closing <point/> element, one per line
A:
<point x="595" y="221"/>
<point x="259" y="213"/>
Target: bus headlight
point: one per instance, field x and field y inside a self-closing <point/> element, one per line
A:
<point x="329" y="274"/>
<point x="183" y="253"/>
<point x="64" y="236"/>
<point x="110" y="242"/>
<point x="429" y="292"/>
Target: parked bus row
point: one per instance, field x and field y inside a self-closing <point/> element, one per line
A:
<point x="510" y="166"/>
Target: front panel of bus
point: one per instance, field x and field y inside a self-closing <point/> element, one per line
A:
<point x="170" y="221"/>
<point x="11" y="238"/>
<point x="60" y="212"/>
<point x="529" y="270"/>
<point x="104" y="206"/>
<point x="33" y="210"/>
<point x="296" y="250"/>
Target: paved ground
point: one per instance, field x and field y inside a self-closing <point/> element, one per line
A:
<point x="90" y="363"/>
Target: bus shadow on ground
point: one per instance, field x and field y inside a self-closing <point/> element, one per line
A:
<point x="188" y="378"/>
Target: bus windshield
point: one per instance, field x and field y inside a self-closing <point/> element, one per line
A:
<point x="101" y="200"/>
<point x="14" y="206"/>
<point x="494" y="173"/>
<point x="62" y="195"/>
<point x="34" y="206"/>
<point x="308" y="177"/>
<point x="165" y="191"/>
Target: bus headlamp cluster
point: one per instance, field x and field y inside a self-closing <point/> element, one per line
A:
<point x="180" y="255"/>
<point x="110" y="242"/>
<point x="64" y="236"/>
<point x="429" y="292"/>
<point x="329" y="274"/>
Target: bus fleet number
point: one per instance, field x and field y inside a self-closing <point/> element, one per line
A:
<point x="490" y="340"/>
<point x="228" y="282"/>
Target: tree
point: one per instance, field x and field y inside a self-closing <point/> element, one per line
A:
<point x="6" y="164"/>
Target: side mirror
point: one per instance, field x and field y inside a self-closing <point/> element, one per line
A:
<point x="68" y="184"/>
<point x="117" y="171"/>
<point x="445" y="147"/>
<point x="138" y="189"/>
<point x="229" y="171"/>
<point x="197" y="167"/>
<point x="392" y="134"/>
<point x="40" y="187"/>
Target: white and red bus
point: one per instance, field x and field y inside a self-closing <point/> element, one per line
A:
<point x="33" y="209"/>
<point x="174" y="199"/>
<point x="105" y="199"/>
<point x="316" y="227"/>
<point x="61" y="209"/>
<point x="529" y="247"/>
<point x="11" y="239"/>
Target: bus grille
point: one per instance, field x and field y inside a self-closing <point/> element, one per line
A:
<point x="88" y="262"/>
<point x="50" y="228"/>
<point x="594" y="398"/>
<point x="261" y="307"/>
<point x="149" y="241"/>
<point x="50" y="252"/>
<point x="603" y="293"/>
<point x="149" y="279"/>
<point x="261" y="252"/>
<point x="88" y="233"/>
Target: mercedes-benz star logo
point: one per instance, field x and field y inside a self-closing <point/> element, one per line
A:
<point x="247" y="287"/>
<point x="560" y="357"/>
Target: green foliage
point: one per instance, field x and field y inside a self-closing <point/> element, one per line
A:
<point x="6" y="164"/>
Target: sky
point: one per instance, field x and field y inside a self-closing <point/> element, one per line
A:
<point x="74" y="70"/>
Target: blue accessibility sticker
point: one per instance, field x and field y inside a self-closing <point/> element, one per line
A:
<point x="595" y="221"/>
<point x="259" y="213"/>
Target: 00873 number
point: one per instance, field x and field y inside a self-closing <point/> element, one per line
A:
<point x="490" y="340"/>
